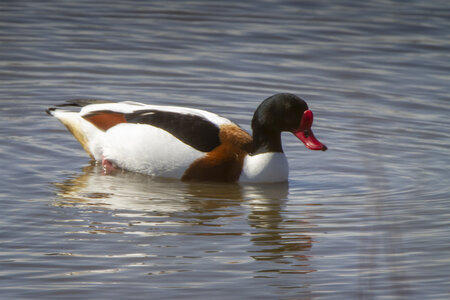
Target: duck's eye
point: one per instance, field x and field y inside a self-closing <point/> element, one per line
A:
<point x="306" y="133"/>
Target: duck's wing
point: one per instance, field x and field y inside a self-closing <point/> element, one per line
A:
<point x="196" y="128"/>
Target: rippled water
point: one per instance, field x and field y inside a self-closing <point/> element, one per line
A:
<point x="367" y="219"/>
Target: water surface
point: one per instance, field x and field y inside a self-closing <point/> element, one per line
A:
<point x="368" y="219"/>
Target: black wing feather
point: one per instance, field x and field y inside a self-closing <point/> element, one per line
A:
<point x="83" y="102"/>
<point x="193" y="130"/>
<point x="77" y="103"/>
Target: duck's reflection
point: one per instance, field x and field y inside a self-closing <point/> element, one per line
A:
<point x="277" y="238"/>
<point x="136" y="192"/>
<point x="275" y="235"/>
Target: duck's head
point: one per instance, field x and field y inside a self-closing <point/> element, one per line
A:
<point x="278" y="113"/>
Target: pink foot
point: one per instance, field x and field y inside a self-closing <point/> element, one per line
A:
<point x="108" y="167"/>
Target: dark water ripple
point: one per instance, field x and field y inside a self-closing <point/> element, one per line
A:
<point x="367" y="219"/>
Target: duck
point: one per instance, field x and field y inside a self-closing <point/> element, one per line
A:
<point x="188" y="144"/>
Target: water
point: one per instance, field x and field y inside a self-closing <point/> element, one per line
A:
<point x="368" y="219"/>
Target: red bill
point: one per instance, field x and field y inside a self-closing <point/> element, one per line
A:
<point x="305" y="134"/>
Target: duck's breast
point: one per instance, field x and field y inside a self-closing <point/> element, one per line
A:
<point x="265" y="167"/>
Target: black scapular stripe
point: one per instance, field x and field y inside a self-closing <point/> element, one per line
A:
<point x="192" y="130"/>
<point x="83" y="102"/>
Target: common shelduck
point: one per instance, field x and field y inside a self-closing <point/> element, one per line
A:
<point x="186" y="143"/>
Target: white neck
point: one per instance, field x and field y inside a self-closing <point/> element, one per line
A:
<point x="265" y="167"/>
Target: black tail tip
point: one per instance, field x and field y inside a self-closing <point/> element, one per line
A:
<point x="50" y="110"/>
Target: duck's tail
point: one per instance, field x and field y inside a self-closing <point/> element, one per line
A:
<point x="86" y="134"/>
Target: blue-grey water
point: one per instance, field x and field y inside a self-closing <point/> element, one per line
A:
<point x="368" y="219"/>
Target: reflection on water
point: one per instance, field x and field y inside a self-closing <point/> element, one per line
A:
<point x="134" y="191"/>
<point x="179" y="208"/>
